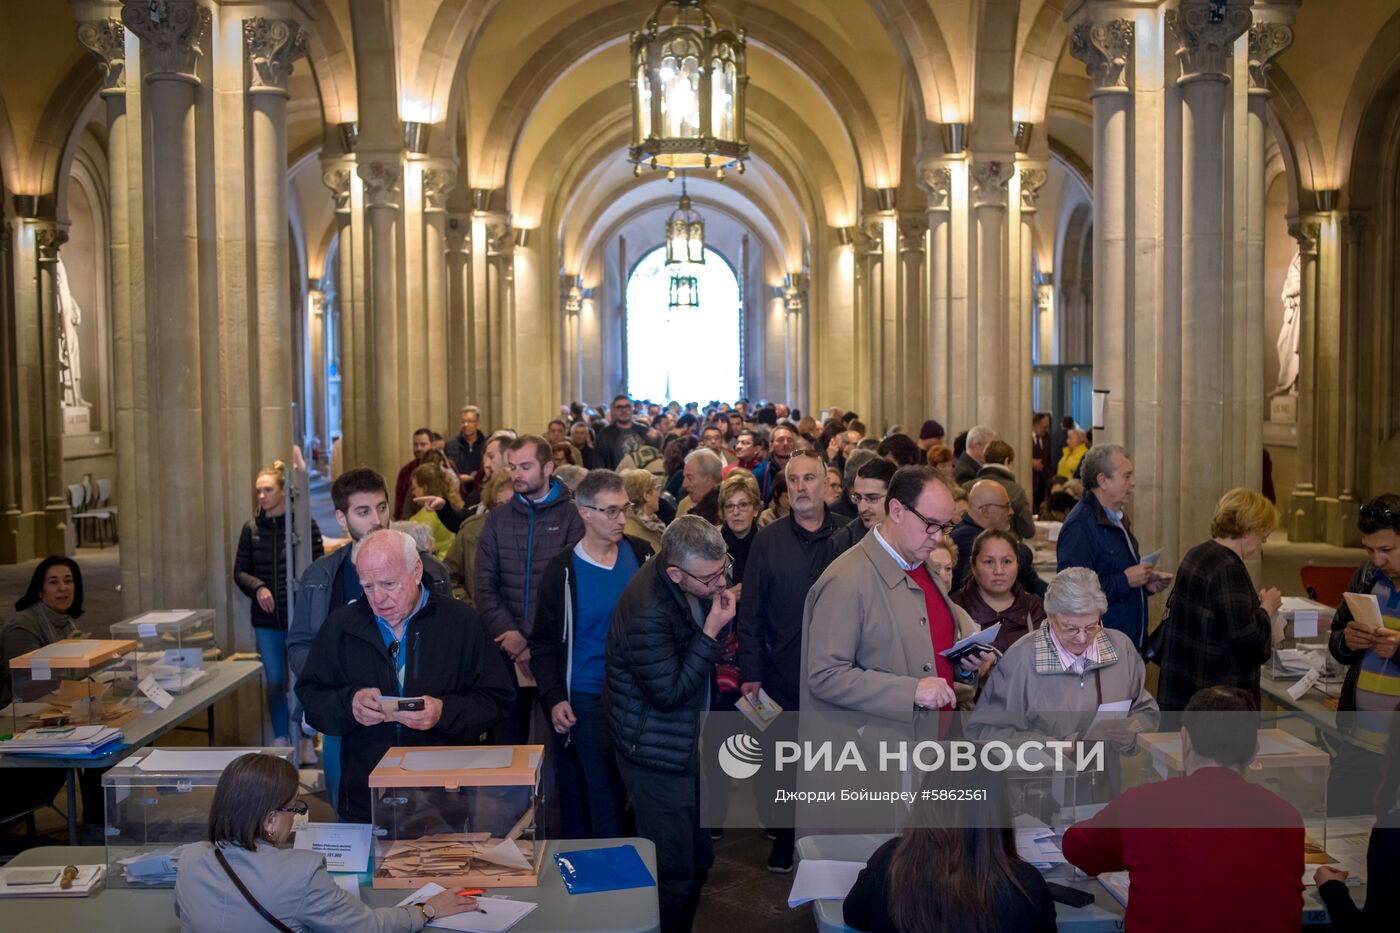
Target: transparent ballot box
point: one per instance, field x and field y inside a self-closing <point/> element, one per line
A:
<point x="171" y="645"/>
<point x="157" y="800"/>
<point x="77" y="681"/>
<point x="458" y="816"/>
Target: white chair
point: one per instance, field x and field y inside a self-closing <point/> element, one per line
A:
<point x="100" y="519"/>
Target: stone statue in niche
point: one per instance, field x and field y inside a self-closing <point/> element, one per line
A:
<point x="77" y="412"/>
<point x="1288" y="332"/>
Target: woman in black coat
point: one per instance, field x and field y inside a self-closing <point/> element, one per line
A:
<point x="260" y="570"/>
<point x="1217" y="630"/>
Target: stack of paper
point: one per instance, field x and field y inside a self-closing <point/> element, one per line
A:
<point x="823" y="879"/>
<point x="446" y="854"/>
<point x="1116" y="883"/>
<point x="47" y="881"/>
<point x="151" y="868"/>
<point x="976" y="643"/>
<point x="1296" y="661"/>
<point x="174" y="677"/>
<point x="1040" y="847"/>
<point x="493" y="914"/>
<point x="62" y="740"/>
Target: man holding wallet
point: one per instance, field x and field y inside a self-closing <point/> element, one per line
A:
<point x="430" y="657"/>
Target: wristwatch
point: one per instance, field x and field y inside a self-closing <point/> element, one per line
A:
<point x="428" y="911"/>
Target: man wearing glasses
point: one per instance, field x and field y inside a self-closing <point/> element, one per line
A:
<point x="660" y="655"/>
<point x="989" y="506"/>
<point x="785" y="560"/>
<point x="868" y="490"/>
<point x="578" y="591"/>
<point x="876" y="620"/>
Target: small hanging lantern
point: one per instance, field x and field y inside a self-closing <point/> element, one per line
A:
<point x="685" y="233"/>
<point x="685" y="293"/>
<point x="688" y="80"/>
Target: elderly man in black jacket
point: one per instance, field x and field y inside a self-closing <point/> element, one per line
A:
<point x="400" y="640"/>
<point x="660" y="655"/>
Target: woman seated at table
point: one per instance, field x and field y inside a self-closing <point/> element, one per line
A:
<point x="954" y="868"/>
<point x="993" y="595"/>
<point x="1382" y="859"/>
<point x="1054" y="681"/>
<point x="242" y="878"/>
<point x="46" y="613"/>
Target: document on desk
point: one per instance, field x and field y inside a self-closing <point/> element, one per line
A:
<point x="822" y="880"/>
<point x="494" y="914"/>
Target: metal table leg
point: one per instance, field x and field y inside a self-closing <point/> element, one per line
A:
<point x="72" y="806"/>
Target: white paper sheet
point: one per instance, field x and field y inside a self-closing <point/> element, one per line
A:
<point x="345" y="845"/>
<point x="1304" y="684"/>
<point x="984" y="637"/>
<point x="762" y="713"/>
<point x="158" y="694"/>
<point x="164" y="759"/>
<point x="163" y="617"/>
<point x="1112" y="710"/>
<point x="350" y="884"/>
<point x="1305" y="624"/>
<point x="494" y="915"/>
<point x="1365" y="609"/>
<point x="458" y="759"/>
<point x="1154" y="558"/>
<point x="822" y="879"/>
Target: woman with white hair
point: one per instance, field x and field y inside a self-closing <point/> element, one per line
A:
<point x="1053" y="681"/>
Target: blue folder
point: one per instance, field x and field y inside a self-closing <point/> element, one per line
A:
<point x="587" y="871"/>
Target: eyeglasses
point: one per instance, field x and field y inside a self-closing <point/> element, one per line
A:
<point x="932" y="525"/>
<point x="1380" y="516"/>
<point x="869" y="498"/>
<point x="1088" y="631"/>
<point x="612" y="512"/>
<point x="738" y="505"/>
<point x="299" y="808"/>
<point x="727" y="573"/>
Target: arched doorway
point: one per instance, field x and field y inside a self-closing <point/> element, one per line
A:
<point x="695" y="355"/>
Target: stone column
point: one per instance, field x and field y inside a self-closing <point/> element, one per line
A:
<point x="171" y="37"/>
<point x="1106" y="49"/>
<point x="1032" y="178"/>
<point x="383" y="408"/>
<point x="339" y="177"/>
<point x="1267" y="40"/>
<point x="52" y="533"/>
<point x="1204" y="50"/>
<point x="911" y="340"/>
<point x="869" y="248"/>
<point x="500" y="274"/>
<point x="458" y="243"/>
<point x="936" y="180"/>
<point x="105" y="38"/>
<point x="438" y="180"/>
<point x="317" y="364"/>
<point x="272" y="47"/>
<point x="1341" y="518"/>
<point x="991" y="346"/>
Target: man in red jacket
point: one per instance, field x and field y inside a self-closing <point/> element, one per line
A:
<point x="1208" y="851"/>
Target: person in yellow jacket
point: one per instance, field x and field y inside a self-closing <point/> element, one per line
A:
<point x="1076" y="446"/>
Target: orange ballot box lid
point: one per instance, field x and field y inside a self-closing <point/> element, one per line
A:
<point x="74" y="654"/>
<point x="454" y="766"/>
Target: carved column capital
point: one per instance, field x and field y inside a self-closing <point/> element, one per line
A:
<point x="1106" y="49"/>
<point x="911" y="228"/>
<point x="273" y="47"/>
<point x="1353" y="226"/>
<point x="337" y="177"/>
<point x="49" y="237"/>
<point x="106" y="38"/>
<point x="937" y="182"/>
<point x="869" y="239"/>
<point x="171" y="33"/>
<point x="500" y="237"/>
<point x="381" y="180"/>
<point x="1267" y="41"/>
<point x="1305" y="233"/>
<point x="989" y="180"/>
<point x="438" y="181"/>
<point x="1205" y="35"/>
<point x="1032" y="180"/>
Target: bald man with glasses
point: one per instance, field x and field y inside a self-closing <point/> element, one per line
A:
<point x="989" y="506"/>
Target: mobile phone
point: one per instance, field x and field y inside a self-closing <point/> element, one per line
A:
<point x="414" y="705"/>
<point x="1072" y="897"/>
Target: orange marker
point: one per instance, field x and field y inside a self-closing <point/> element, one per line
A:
<point x="471" y="892"/>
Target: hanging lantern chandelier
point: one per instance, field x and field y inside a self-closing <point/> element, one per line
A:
<point x="685" y="233"/>
<point x="685" y="293"/>
<point x="688" y="80"/>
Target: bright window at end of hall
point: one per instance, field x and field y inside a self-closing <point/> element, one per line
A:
<point x="687" y="355"/>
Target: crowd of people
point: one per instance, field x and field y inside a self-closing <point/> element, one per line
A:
<point x="604" y="585"/>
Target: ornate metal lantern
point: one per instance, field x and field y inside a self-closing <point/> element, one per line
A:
<point x="685" y="233"/>
<point x="688" y="80"/>
<point x="685" y="293"/>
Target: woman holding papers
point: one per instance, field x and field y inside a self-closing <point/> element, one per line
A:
<point x="954" y="868"/>
<point x="1216" y="630"/>
<point x="992" y="595"/>
<point x="242" y="878"/>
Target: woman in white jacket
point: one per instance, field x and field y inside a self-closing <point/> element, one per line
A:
<point x="242" y="879"/>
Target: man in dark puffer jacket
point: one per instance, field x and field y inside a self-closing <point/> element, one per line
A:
<point x="661" y="652"/>
<point x="517" y="543"/>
